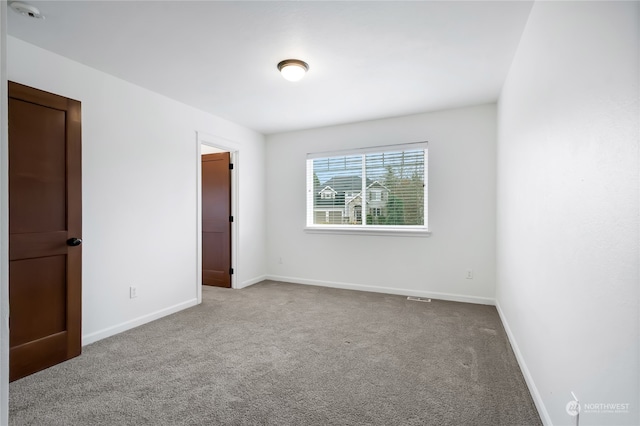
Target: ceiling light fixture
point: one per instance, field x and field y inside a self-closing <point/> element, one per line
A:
<point x="26" y="10"/>
<point x="293" y="69"/>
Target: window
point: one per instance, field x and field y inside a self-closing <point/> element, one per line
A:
<point x="388" y="183"/>
<point x="376" y="211"/>
<point x="327" y="195"/>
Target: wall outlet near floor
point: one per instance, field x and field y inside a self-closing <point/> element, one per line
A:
<point x="469" y="274"/>
<point x="133" y="292"/>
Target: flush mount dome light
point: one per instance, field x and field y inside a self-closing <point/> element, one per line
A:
<point x="293" y="69"/>
<point x="26" y="10"/>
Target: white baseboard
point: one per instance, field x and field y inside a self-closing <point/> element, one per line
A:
<point x="537" y="399"/>
<point x="252" y="281"/>
<point x="386" y="290"/>
<point x="128" y="325"/>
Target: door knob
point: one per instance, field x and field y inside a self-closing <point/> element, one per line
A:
<point x="73" y="242"/>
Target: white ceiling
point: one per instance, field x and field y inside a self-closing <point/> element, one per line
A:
<point x="368" y="59"/>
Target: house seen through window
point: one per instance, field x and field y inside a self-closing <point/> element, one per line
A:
<point x="385" y="188"/>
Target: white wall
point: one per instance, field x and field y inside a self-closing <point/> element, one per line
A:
<point x="139" y="191"/>
<point x="568" y="226"/>
<point x="206" y="149"/>
<point x="461" y="210"/>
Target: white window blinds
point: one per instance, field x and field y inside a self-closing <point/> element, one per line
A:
<point x="377" y="187"/>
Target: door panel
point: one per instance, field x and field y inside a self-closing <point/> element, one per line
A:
<point x="216" y="227"/>
<point x="38" y="169"/>
<point x="45" y="210"/>
<point x="39" y="303"/>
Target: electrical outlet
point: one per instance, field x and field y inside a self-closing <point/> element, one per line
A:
<point x="469" y="274"/>
<point x="133" y="292"/>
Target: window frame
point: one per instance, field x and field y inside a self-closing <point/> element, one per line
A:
<point x="368" y="229"/>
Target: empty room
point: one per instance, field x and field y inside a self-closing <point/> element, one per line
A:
<point x="320" y="213"/>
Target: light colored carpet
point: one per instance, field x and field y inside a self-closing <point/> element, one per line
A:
<point x="286" y="354"/>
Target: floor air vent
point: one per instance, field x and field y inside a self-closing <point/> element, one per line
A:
<point x="418" y="299"/>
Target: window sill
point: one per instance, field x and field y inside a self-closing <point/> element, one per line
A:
<point x="369" y="230"/>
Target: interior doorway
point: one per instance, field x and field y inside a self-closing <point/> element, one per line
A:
<point x="208" y="144"/>
<point x="216" y="219"/>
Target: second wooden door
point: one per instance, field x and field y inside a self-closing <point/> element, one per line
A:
<point x="216" y="220"/>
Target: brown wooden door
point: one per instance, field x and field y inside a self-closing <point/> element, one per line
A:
<point x="45" y="215"/>
<point x="216" y="223"/>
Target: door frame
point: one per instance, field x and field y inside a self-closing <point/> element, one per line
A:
<point x="234" y="150"/>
